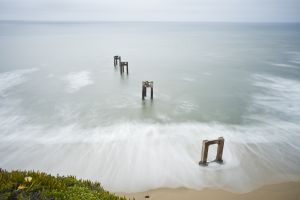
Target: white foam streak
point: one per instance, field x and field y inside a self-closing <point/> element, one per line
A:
<point x="186" y="106"/>
<point x="284" y="65"/>
<point x="295" y="57"/>
<point x="12" y="78"/>
<point x="136" y="156"/>
<point x="281" y="95"/>
<point x="78" y="80"/>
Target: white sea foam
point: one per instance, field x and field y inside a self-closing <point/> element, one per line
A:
<point x="281" y="95"/>
<point x="188" y="79"/>
<point x="284" y="65"/>
<point x="186" y="106"/>
<point x="295" y="57"/>
<point x="137" y="156"/>
<point x="12" y="78"/>
<point x="78" y="80"/>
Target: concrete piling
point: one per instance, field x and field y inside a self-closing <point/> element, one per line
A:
<point x="122" y="67"/>
<point x="117" y="60"/>
<point x="145" y="85"/>
<point x="205" y="147"/>
<point x="205" y="143"/>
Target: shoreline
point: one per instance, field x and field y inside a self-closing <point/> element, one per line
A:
<point x="281" y="191"/>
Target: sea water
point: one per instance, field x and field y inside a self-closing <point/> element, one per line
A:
<point x="65" y="109"/>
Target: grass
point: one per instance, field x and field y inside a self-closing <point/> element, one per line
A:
<point x="30" y="185"/>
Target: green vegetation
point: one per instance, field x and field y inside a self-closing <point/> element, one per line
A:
<point x="30" y="185"/>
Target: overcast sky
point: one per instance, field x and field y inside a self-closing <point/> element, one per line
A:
<point x="152" y="10"/>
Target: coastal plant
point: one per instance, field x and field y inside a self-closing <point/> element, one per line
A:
<point x="31" y="185"/>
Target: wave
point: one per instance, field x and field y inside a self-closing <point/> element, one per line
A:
<point x="77" y="80"/>
<point x="280" y="97"/>
<point x="13" y="78"/>
<point x="135" y="157"/>
<point x="132" y="156"/>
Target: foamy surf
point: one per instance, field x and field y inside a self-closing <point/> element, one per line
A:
<point x="133" y="156"/>
<point x="77" y="80"/>
<point x="13" y="78"/>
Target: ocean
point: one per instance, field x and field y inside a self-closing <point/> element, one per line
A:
<point x="65" y="109"/>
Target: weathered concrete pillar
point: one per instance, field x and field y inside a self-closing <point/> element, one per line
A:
<point x="122" y="67"/>
<point x="205" y="147"/>
<point x="143" y="91"/>
<point x="220" y="149"/>
<point x="204" y="152"/>
<point x="152" y="91"/>
<point x="145" y="85"/>
<point x="116" y="59"/>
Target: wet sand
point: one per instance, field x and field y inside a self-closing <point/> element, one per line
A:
<point x="282" y="191"/>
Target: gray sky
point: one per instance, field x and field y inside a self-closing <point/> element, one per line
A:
<point x="152" y="10"/>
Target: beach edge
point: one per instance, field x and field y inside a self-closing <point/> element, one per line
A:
<point x="280" y="191"/>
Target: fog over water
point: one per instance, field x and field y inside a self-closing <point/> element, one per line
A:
<point x="65" y="109"/>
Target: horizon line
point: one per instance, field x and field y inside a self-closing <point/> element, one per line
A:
<point x="147" y="21"/>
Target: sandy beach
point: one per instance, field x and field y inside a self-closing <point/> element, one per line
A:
<point x="282" y="191"/>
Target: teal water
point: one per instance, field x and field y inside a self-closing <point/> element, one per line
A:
<point x="65" y="109"/>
